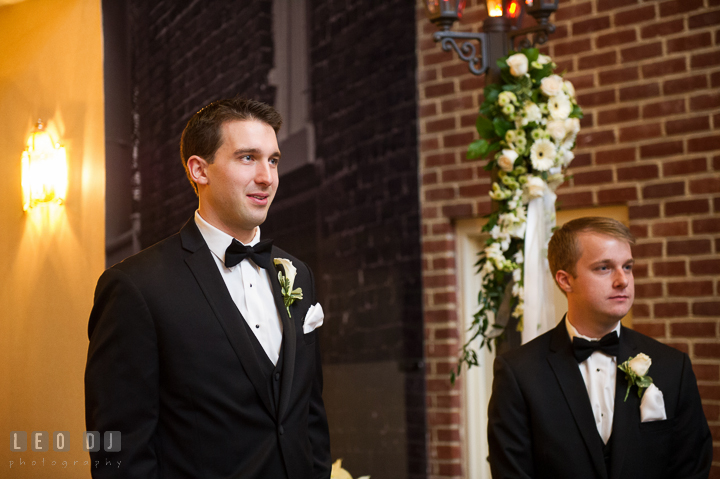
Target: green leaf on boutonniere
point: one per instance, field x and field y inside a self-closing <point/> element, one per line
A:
<point x="286" y="280"/>
<point x="634" y="365"/>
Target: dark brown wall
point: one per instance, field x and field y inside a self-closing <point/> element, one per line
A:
<point x="185" y="55"/>
<point x="352" y="215"/>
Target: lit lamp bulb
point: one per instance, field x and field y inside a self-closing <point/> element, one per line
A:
<point x="494" y="8"/>
<point x="44" y="170"/>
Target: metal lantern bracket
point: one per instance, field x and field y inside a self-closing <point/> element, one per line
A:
<point x="539" y="34"/>
<point x="478" y="64"/>
<point x="468" y="52"/>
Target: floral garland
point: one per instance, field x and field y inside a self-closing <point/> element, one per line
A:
<point x="528" y="124"/>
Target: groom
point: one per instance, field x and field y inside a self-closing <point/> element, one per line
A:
<point x="558" y="407"/>
<point x="199" y="356"/>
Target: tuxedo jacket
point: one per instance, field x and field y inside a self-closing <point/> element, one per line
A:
<point x="541" y="423"/>
<point x="171" y="365"/>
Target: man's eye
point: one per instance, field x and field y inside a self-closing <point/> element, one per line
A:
<point x="274" y="161"/>
<point x="628" y="267"/>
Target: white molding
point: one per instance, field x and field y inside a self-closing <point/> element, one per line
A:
<point x="477" y="381"/>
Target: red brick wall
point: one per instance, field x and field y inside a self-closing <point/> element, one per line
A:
<point x="647" y="76"/>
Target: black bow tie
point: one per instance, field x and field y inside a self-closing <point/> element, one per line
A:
<point x="609" y="344"/>
<point x="260" y="253"/>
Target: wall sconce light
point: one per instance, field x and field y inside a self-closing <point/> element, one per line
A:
<point x="500" y="29"/>
<point x="44" y="170"/>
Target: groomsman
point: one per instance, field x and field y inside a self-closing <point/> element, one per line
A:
<point x="203" y="351"/>
<point x="559" y="409"/>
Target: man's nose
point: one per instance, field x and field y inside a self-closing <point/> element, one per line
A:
<point x="263" y="175"/>
<point x="621" y="278"/>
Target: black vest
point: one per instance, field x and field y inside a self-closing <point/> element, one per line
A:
<point x="271" y="372"/>
<point x="606" y="450"/>
<point x="273" y="376"/>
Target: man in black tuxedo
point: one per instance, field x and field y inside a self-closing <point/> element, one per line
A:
<point x="558" y="407"/>
<point x="198" y="354"/>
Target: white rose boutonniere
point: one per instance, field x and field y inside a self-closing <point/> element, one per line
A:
<point x="518" y="64"/>
<point x="635" y="369"/>
<point x="287" y="280"/>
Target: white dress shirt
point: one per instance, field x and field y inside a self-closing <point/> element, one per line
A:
<point x="250" y="288"/>
<point x="599" y="372"/>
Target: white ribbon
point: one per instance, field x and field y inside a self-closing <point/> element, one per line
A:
<point x="539" y="310"/>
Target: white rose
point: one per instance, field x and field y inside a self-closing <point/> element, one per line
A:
<point x="543" y="59"/>
<point x="290" y="270"/>
<point x="640" y="364"/>
<point x="506" y="160"/>
<point x="506" y="97"/>
<point x="535" y="187"/>
<point x="556" y="129"/>
<point x="569" y="89"/>
<point x="531" y="113"/>
<point x="566" y="156"/>
<point x="572" y="125"/>
<point x="559" y="106"/>
<point x="518" y="230"/>
<point x="518" y="64"/>
<point x="555" y="180"/>
<point x="551" y="85"/>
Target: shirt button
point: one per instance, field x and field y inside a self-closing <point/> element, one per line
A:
<point x="251" y="285"/>
<point x="257" y="326"/>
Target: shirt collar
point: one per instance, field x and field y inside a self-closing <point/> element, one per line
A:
<point x="218" y="240"/>
<point x="572" y="332"/>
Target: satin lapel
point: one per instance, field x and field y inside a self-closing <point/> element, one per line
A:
<point x="626" y="413"/>
<point x="568" y="375"/>
<point x="288" y="344"/>
<point x="208" y="277"/>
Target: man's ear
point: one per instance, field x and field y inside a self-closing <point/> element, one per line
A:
<point x="197" y="168"/>
<point x="563" y="281"/>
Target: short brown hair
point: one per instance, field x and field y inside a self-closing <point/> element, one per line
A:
<point x="203" y="134"/>
<point x="564" y="249"/>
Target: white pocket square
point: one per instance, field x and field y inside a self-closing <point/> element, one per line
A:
<point x="313" y="318"/>
<point x="652" y="405"/>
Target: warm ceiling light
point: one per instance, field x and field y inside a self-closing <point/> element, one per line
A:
<point x="44" y="170"/>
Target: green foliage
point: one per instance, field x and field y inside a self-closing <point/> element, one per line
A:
<point x="501" y="126"/>
<point x="485" y="127"/>
<point x="493" y="124"/>
<point x="576" y="112"/>
<point x="477" y="149"/>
